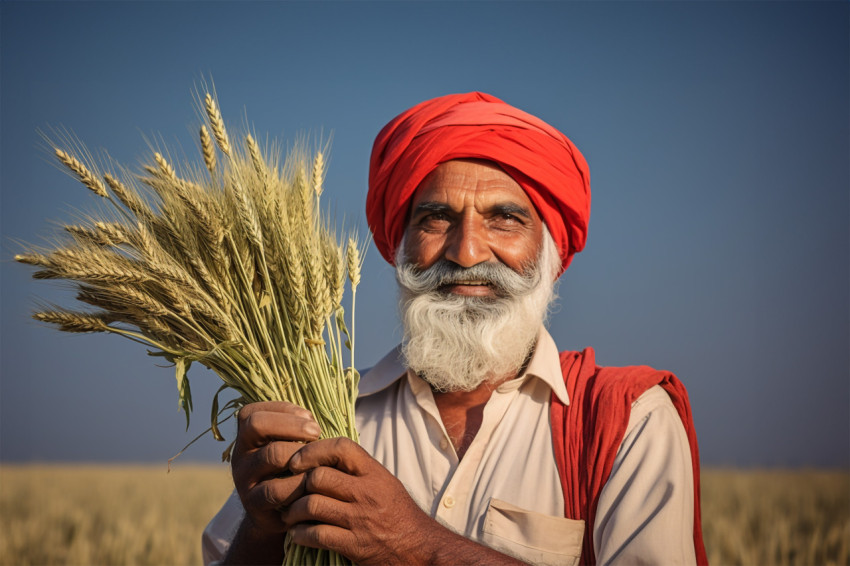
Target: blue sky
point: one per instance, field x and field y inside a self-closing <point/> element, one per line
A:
<point x="716" y="133"/>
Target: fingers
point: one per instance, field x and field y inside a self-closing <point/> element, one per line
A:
<point x="340" y="453"/>
<point x="268" y="435"/>
<point x="321" y="536"/>
<point x="268" y="461"/>
<point x="316" y="508"/>
<point x="275" y="494"/>
<point x="331" y="483"/>
<point x="352" y="504"/>
<point x="261" y="423"/>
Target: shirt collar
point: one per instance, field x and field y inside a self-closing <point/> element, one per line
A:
<point x="383" y="374"/>
<point x="545" y="365"/>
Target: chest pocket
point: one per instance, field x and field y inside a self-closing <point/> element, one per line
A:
<point x="532" y="537"/>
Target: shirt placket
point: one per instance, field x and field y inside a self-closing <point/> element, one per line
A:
<point x="441" y="454"/>
<point x="459" y="498"/>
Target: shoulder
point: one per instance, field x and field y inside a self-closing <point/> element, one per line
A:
<point x="653" y="414"/>
<point x="591" y="385"/>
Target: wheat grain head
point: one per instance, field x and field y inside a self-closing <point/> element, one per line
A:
<point x="86" y="177"/>
<point x="208" y="150"/>
<point x="71" y="321"/>
<point x="318" y="173"/>
<point x="354" y="261"/>
<point x="217" y="124"/>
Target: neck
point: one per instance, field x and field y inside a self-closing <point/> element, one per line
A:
<point x="463" y="411"/>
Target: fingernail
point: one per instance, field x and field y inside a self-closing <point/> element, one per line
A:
<point x="304" y="414"/>
<point x="312" y="429"/>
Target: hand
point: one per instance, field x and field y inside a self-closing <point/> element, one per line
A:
<point x="267" y="437"/>
<point x="363" y="512"/>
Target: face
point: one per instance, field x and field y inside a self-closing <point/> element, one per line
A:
<point x="469" y="212"/>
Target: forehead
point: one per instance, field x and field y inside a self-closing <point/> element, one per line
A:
<point x="464" y="181"/>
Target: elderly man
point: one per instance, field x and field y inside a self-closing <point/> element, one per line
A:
<point x="480" y="443"/>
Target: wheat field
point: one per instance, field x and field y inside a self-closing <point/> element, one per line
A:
<point x="144" y="515"/>
<point x="107" y="514"/>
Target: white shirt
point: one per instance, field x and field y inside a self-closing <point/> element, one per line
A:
<point x="506" y="493"/>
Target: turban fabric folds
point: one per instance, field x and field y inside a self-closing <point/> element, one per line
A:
<point x="546" y="164"/>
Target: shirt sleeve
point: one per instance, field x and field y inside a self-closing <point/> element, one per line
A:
<point x="645" y="513"/>
<point x="221" y="529"/>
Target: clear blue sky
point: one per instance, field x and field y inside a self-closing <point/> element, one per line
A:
<point x="717" y="137"/>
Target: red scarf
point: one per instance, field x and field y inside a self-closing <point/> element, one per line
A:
<point x="588" y="433"/>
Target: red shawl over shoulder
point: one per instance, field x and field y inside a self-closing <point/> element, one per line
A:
<point x="588" y="433"/>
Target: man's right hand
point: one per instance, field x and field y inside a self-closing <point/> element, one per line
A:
<point x="269" y="434"/>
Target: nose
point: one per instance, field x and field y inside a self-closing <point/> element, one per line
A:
<point x="467" y="244"/>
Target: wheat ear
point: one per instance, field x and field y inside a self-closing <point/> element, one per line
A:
<point x="335" y="270"/>
<point x="33" y="259"/>
<point x="84" y="234"/>
<point x="128" y="198"/>
<point x="208" y="150"/>
<point x="165" y="168"/>
<point x="70" y="321"/>
<point x="217" y="124"/>
<point x="320" y="297"/>
<point x="82" y="172"/>
<point x="318" y="173"/>
<point x="256" y="157"/>
<point x="113" y="233"/>
<point x="355" y="263"/>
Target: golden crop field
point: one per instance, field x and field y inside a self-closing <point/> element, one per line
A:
<point x="93" y="515"/>
<point x="143" y="515"/>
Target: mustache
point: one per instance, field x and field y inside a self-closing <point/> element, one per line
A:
<point x="505" y="281"/>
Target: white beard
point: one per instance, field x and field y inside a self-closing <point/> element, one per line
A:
<point x="457" y="342"/>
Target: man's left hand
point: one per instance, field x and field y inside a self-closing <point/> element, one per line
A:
<point x="355" y="506"/>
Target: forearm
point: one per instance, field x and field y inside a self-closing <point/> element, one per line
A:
<point x="252" y="546"/>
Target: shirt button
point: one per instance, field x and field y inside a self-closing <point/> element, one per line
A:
<point x="449" y="502"/>
<point x="444" y="444"/>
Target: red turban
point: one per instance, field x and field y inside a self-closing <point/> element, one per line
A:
<point x="475" y="125"/>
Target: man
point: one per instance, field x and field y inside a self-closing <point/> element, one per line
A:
<point x="480" y="443"/>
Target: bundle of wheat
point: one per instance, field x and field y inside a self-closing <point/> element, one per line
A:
<point x="232" y="265"/>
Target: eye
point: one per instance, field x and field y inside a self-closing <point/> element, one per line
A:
<point x="434" y="221"/>
<point x="507" y="220"/>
